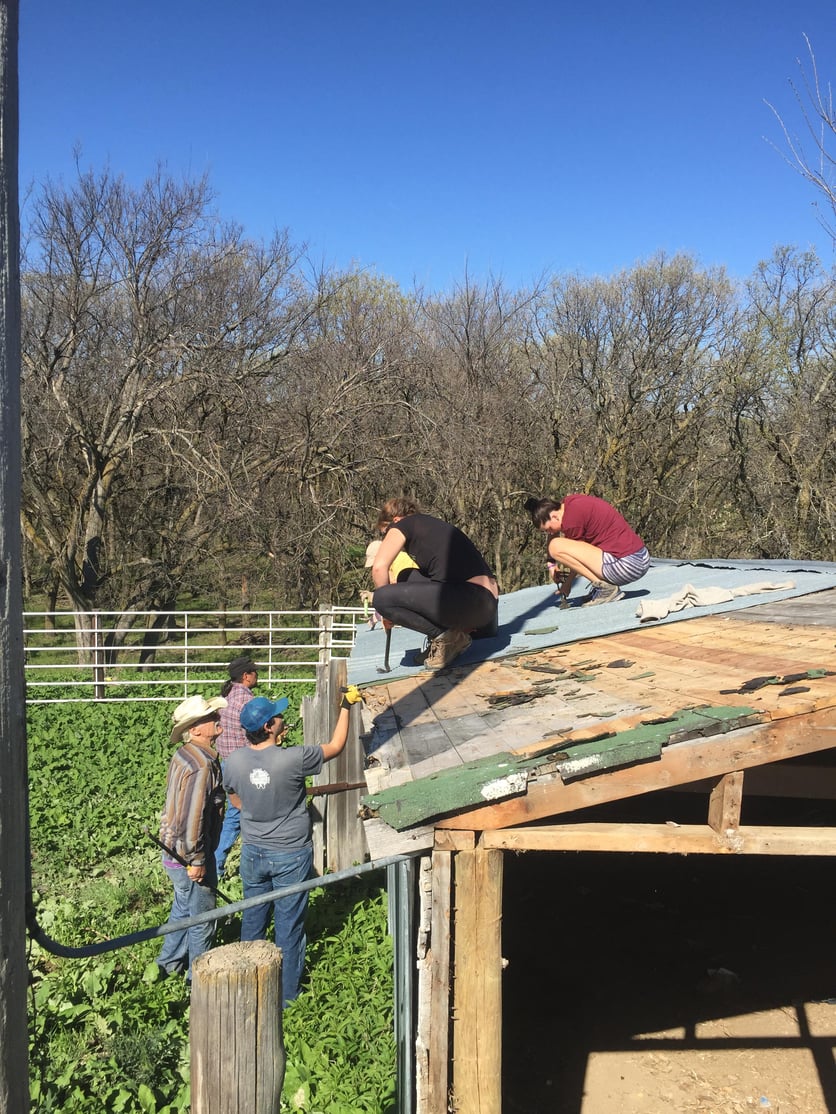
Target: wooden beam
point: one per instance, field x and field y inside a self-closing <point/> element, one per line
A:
<point x="725" y="802"/>
<point x="438" y="1089"/>
<point x="683" y="839"/>
<point x="454" y="841"/>
<point x="14" y="820"/>
<point x="679" y="764"/>
<point x="477" y="995"/>
<point x="384" y="841"/>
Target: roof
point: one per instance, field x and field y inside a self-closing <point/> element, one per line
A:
<point x="530" y="619"/>
<point x="568" y="708"/>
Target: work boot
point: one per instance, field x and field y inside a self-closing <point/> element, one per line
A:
<point x="420" y="656"/>
<point x="603" y="592"/>
<point x="447" y="647"/>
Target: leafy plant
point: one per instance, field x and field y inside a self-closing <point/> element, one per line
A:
<point x="106" y="1033"/>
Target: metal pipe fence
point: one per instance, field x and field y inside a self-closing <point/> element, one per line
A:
<point x="155" y="656"/>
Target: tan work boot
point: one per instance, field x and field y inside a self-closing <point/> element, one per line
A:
<point x="447" y="647"/>
<point x="603" y="592"/>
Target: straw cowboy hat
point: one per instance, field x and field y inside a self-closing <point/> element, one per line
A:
<point x="193" y="709"/>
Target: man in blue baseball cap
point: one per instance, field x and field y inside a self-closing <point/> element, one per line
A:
<point x="259" y="710"/>
<point x="266" y="781"/>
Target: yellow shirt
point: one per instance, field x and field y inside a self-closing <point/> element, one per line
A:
<point x="401" y="562"/>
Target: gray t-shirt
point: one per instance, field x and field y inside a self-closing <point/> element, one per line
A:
<point x="271" y="785"/>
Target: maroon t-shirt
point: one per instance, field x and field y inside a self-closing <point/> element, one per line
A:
<point x="586" y="518"/>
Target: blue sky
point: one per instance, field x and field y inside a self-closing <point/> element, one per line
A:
<point x="429" y="140"/>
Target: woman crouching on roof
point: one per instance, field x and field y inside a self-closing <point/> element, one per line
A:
<point x="452" y="594"/>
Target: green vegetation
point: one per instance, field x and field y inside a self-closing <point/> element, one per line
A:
<point x="105" y="1032"/>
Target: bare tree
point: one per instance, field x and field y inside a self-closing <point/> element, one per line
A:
<point x="784" y="435"/>
<point x="143" y="319"/>
<point x="488" y="434"/>
<point x="627" y="369"/>
<point x="813" y="153"/>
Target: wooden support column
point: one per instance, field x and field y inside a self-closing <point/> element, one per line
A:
<point x="14" y="822"/>
<point x="432" y="1042"/>
<point x="339" y="839"/>
<point x="725" y="802"/>
<point x="477" y="988"/>
<point x="237" y="1044"/>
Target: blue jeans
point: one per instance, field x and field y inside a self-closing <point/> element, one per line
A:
<point x="229" y="834"/>
<point x="181" y="949"/>
<point x="263" y="870"/>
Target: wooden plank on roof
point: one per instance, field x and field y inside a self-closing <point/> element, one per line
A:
<point x="815" y="609"/>
<point x="404" y="806"/>
<point x="646" y="740"/>
<point x="506" y="775"/>
<point x="679" y="764"/>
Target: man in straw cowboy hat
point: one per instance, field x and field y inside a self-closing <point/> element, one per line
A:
<point x="190" y="827"/>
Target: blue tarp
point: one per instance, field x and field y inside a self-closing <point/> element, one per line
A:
<point x="530" y="619"/>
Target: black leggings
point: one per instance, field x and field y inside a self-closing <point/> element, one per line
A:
<point x="432" y="607"/>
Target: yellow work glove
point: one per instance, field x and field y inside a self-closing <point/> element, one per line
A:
<point x="351" y="695"/>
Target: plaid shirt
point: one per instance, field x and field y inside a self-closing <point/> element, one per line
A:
<point x="232" y="737"/>
<point x="194" y="804"/>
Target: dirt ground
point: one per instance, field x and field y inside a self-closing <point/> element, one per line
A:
<point x="683" y="985"/>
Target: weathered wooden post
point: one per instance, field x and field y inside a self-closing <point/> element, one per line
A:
<point x="477" y="1005"/>
<point x="14" y="841"/>
<point x="326" y="632"/>
<point x="236" y="1036"/>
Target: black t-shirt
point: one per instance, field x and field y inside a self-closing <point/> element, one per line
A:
<point x="441" y="551"/>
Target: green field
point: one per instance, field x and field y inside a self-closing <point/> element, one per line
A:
<point x="105" y="1032"/>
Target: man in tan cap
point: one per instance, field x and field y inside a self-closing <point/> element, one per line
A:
<point x="190" y="827"/>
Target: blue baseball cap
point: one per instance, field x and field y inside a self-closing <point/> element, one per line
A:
<point x="257" y="711"/>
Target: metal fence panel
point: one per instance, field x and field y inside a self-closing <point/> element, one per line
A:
<point x="74" y="657"/>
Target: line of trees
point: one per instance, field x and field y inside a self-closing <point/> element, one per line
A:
<point x="206" y="417"/>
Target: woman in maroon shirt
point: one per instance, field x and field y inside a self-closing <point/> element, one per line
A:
<point x="590" y="538"/>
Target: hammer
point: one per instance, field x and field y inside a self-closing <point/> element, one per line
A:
<point x="385" y="668"/>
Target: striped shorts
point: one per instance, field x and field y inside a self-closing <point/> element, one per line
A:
<point x="624" y="570"/>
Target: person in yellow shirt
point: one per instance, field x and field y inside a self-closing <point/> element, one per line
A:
<point x="401" y="564"/>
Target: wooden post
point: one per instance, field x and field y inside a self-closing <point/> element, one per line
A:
<point x="237" y="1042"/>
<point x="316" y="722"/>
<point x="432" y="1051"/>
<point x="345" y="838"/>
<point x="477" y="989"/>
<point x="326" y="624"/>
<point x="14" y="830"/>
<point x="339" y="838"/>
<point x="725" y="803"/>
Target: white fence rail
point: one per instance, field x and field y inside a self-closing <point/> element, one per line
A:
<point x="167" y="655"/>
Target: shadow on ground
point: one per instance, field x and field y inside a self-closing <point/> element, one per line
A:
<point x="604" y="947"/>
